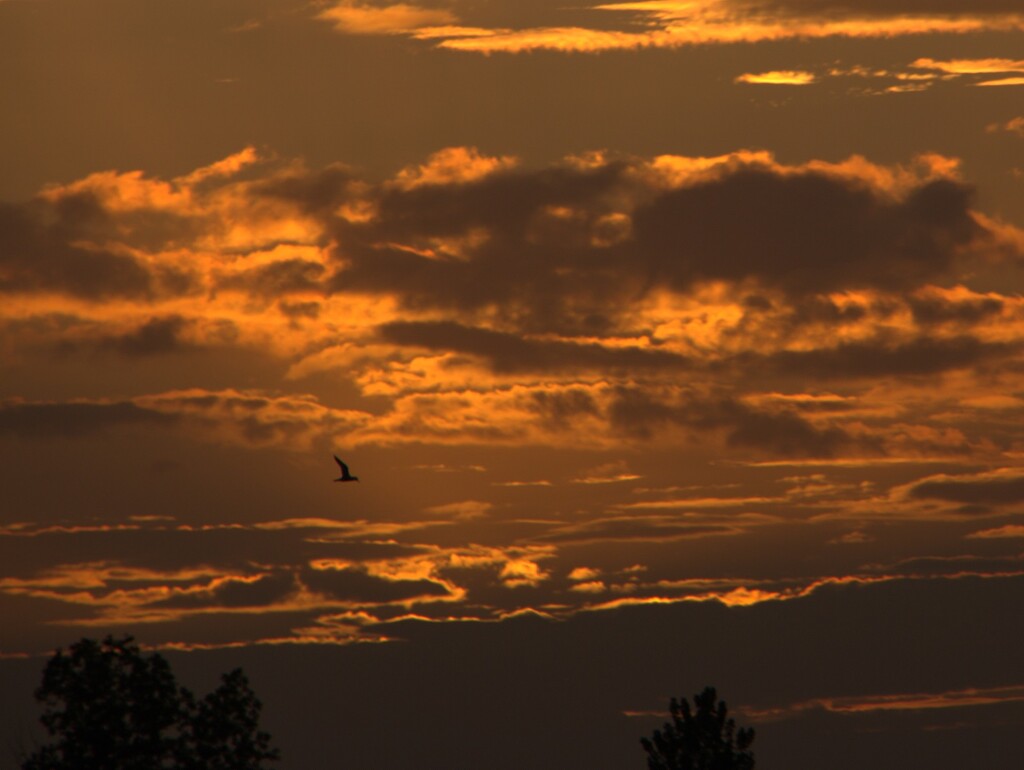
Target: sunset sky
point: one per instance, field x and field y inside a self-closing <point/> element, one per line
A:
<point x="674" y="342"/>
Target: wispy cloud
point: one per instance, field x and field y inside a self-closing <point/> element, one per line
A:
<point x="918" y="75"/>
<point x="464" y="509"/>
<point x="859" y="704"/>
<point x="1013" y="126"/>
<point x="357" y="18"/>
<point x="1014" y="81"/>
<point x="779" y="78"/>
<point x="1006" y="531"/>
<point x="669" y="24"/>
<point x="391" y="286"/>
<point x="970" y="66"/>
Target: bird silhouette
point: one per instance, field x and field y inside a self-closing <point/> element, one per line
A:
<point x="345" y="475"/>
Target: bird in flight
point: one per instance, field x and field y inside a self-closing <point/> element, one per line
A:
<point x="345" y="475"/>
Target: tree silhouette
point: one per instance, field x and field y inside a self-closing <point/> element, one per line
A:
<point x="705" y="740"/>
<point x="222" y="732"/>
<point x="108" y="706"/>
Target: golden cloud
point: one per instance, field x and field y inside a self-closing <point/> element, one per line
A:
<point x="1013" y="126"/>
<point x="453" y="165"/>
<point x="596" y="300"/>
<point x="779" y="78"/>
<point x="1015" y="81"/>
<point x="970" y="66"/>
<point x="676" y="24"/>
<point x="356" y="18"/>
<point x="856" y="704"/>
<point x="1006" y="531"/>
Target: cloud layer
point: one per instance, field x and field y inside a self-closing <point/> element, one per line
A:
<point x="673" y="24"/>
<point x="808" y="333"/>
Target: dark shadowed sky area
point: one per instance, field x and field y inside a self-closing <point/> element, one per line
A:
<point x="674" y="343"/>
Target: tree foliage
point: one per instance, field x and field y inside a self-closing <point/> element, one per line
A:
<point x="106" y="705"/>
<point x="705" y="739"/>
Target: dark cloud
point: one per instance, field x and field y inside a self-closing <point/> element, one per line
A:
<point x="286" y="276"/>
<point x="71" y="419"/>
<point x="565" y="248"/>
<point x="38" y="255"/>
<point x="82" y="215"/>
<point x="933" y="566"/>
<point x="922" y="356"/>
<point x="822" y="310"/>
<point x="159" y="335"/>
<point x="253" y="417"/>
<point x="43" y="326"/>
<point x="803" y="232"/>
<point x="297" y="310"/>
<point x="507" y="203"/>
<point x="613" y="661"/>
<point x="932" y="310"/>
<point x="512" y="353"/>
<point x="559" y="408"/>
<point x="317" y="193"/>
<point x="164" y="547"/>
<point x="261" y="591"/>
<point x="356" y="585"/>
<point x="940" y="635"/>
<point x="542" y="254"/>
<point x="633" y="528"/>
<point x="540" y="267"/>
<point x="524" y="14"/>
<point x="783" y="433"/>
<point x="156" y="336"/>
<point x="972" y="490"/>
<point x="823" y="405"/>
<point x="887" y="7"/>
<point x="638" y="413"/>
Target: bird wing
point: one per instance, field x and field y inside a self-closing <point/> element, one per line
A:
<point x="344" y="468"/>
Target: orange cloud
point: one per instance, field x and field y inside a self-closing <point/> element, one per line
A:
<point x="453" y="165"/>
<point x="966" y="71"/>
<point x="1007" y="531"/>
<point x="464" y="509"/>
<point x="664" y="23"/>
<point x="857" y="704"/>
<point x="1013" y="126"/>
<point x="779" y="78"/>
<point x="522" y="572"/>
<point x="970" y="66"/>
<point x="751" y="592"/>
<point x="1016" y="81"/>
<point x="589" y="587"/>
<point x="584" y="573"/>
<point x="356" y="18"/>
<point x="675" y="24"/>
<point x="967" y="67"/>
<point x="486" y="303"/>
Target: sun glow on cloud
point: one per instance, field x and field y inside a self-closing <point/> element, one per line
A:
<point x="356" y="18"/>
<point x="953" y="699"/>
<point x="453" y="165"/>
<point x="255" y="265"/>
<point x="779" y="78"/>
<point x="349" y="600"/>
<point x="919" y="75"/>
<point x="668" y="24"/>
<point x="605" y="395"/>
<point x="1015" y="81"/>
<point x="635" y="310"/>
<point x="971" y="66"/>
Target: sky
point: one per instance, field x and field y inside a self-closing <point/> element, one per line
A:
<point x="673" y="342"/>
